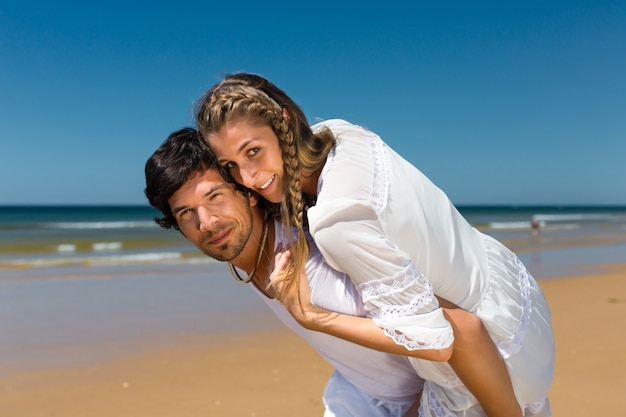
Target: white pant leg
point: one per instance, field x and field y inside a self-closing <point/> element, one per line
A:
<point x="343" y="399"/>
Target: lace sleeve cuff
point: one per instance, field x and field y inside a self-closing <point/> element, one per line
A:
<point x="405" y="307"/>
<point x="418" y="332"/>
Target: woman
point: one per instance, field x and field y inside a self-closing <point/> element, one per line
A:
<point x="377" y="218"/>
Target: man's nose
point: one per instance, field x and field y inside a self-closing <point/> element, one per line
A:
<point x="206" y="219"/>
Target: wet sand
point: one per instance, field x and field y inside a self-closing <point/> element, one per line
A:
<point x="273" y="373"/>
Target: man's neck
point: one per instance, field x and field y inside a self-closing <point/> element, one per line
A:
<point x="262" y="274"/>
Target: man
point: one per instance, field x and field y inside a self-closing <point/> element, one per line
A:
<point x="228" y="224"/>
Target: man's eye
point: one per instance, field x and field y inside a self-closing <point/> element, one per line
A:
<point x="181" y="214"/>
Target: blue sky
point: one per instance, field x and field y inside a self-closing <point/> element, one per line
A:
<point x="497" y="102"/>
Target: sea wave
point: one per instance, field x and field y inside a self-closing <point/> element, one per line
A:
<point x="95" y="225"/>
<point x="558" y="221"/>
<point x="98" y="225"/>
<point x="519" y="225"/>
<point x="579" y="217"/>
<point x="120" y="259"/>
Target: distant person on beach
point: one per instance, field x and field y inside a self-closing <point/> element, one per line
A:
<point x="377" y="218"/>
<point x="535" y="227"/>
<point x="232" y="224"/>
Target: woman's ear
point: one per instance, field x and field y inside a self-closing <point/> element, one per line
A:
<point x="286" y="114"/>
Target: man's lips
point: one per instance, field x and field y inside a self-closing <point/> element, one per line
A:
<point x="220" y="238"/>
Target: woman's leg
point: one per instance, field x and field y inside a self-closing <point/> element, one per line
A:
<point x="478" y="363"/>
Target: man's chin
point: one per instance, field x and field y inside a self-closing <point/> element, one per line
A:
<point x="220" y="256"/>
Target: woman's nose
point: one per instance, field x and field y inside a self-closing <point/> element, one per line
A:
<point x="247" y="177"/>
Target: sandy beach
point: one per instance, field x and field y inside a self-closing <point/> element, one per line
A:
<point x="274" y="373"/>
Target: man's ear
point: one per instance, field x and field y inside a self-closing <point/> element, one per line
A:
<point x="253" y="199"/>
<point x="180" y="231"/>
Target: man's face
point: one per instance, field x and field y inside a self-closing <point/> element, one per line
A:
<point x="213" y="215"/>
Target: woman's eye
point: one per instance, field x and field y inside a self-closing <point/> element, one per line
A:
<point x="229" y="165"/>
<point x="253" y="151"/>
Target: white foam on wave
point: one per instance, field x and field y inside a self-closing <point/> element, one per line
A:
<point x="66" y="247"/>
<point x="509" y="225"/>
<point x="126" y="259"/>
<point x="106" y="246"/>
<point x="100" y="225"/>
<point x="558" y="221"/>
<point x="528" y="226"/>
<point x="134" y="258"/>
<point x="572" y="217"/>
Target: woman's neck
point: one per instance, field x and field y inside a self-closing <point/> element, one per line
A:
<point x="309" y="180"/>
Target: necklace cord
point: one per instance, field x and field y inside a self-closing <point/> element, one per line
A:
<point x="233" y="269"/>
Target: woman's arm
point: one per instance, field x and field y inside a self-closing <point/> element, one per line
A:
<point x="473" y="355"/>
<point x="360" y="330"/>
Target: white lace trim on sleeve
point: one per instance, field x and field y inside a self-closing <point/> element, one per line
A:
<point x="405" y="307"/>
<point x="380" y="171"/>
<point x="408" y="284"/>
<point x="380" y="178"/>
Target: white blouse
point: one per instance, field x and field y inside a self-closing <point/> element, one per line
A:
<point x="399" y="238"/>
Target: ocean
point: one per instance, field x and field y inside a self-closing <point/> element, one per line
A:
<point x="40" y="236"/>
<point x="77" y="283"/>
<point x="33" y="237"/>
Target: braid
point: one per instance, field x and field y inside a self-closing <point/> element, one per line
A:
<point x="231" y="104"/>
<point x="255" y="100"/>
<point x="292" y="169"/>
<point x="293" y="205"/>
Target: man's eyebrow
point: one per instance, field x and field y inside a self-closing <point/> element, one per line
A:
<point x="210" y="191"/>
<point x="177" y="209"/>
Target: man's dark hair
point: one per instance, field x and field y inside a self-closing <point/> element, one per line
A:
<point x="181" y="155"/>
<point x="171" y="165"/>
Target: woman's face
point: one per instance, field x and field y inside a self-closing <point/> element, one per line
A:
<point x="252" y="156"/>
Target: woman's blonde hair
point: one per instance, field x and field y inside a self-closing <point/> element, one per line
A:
<point x="255" y="100"/>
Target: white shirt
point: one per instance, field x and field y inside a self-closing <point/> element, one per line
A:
<point x="381" y="375"/>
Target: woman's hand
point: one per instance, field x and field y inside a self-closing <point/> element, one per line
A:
<point x="296" y="296"/>
<point x="279" y="276"/>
